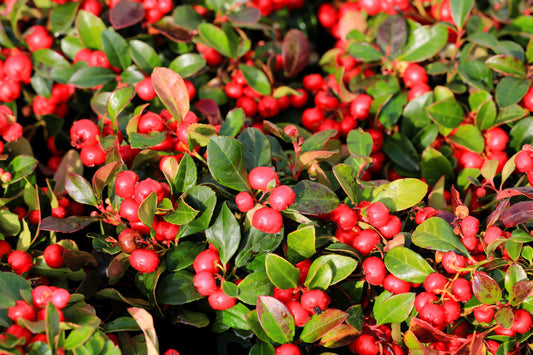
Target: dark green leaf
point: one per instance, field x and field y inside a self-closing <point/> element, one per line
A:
<point x="510" y="113"/>
<point x="116" y="49"/>
<point x="365" y="52"/>
<point x="78" y="337"/>
<point x="329" y="269"/>
<point x="314" y="198"/>
<point x="203" y="199"/>
<point x="253" y="286"/>
<point x="448" y="113"/>
<point x="394" y="309"/>
<point x="318" y="140"/>
<point x="476" y="73"/>
<point x="226" y="162"/>
<point x="176" y="288"/>
<point x="402" y="152"/>
<point x="90" y="28"/>
<point x="235" y="317"/>
<point x="257" y="148"/>
<point x="182" y="214"/>
<point x="434" y="165"/>
<point x="275" y="319"/>
<point x="486" y="115"/>
<point x="424" y="42"/>
<point x="407" y="265"/>
<point x="346" y="176"/>
<point x="510" y="90"/>
<point x="80" y="189"/>
<point x="256" y="242"/>
<point x="484" y="39"/>
<point x="437" y="234"/>
<point x="320" y="324"/>
<point x="253" y="322"/>
<point x="215" y="38"/>
<point x="145" y="57"/>
<point x="359" y="143"/>
<point x="392" y="110"/>
<point x="62" y="16"/>
<point x="233" y="123"/>
<point x="281" y="273"/>
<point x="182" y="255"/>
<point x="21" y="166"/>
<point x="470" y="137"/>
<point x="401" y="194"/>
<point x="118" y="100"/>
<point x="256" y="79"/>
<point x="224" y="234"/>
<point x="141" y="141"/>
<point x="52" y="324"/>
<point x="187" y="64"/>
<point x="89" y="77"/>
<point x="507" y="65"/>
<point x="460" y="10"/>
<point x="262" y="348"/>
<point x="187" y="17"/>
<point x="186" y="175"/>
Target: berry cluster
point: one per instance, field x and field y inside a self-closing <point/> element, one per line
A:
<point x="208" y="280"/>
<point x="266" y="180"/>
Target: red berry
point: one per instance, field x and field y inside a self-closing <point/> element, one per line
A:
<point x="300" y="314"/>
<point x="129" y="210"/>
<point x="268" y="107"/>
<point x="128" y="240"/>
<point x="435" y="283"/>
<point x="461" y="289"/>
<point x="315" y="301"/>
<point x="287" y="349"/>
<point x="528" y="99"/>
<point x="208" y="260"/>
<point x="469" y="226"/>
<point x="166" y="231"/>
<point x="327" y="15"/>
<point x="313" y="82"/>
<point x="378" y="214"/>
<point x="18" y="68"/>
<point x="304" y="266"/>
<point x="471" y="160"/>
<point x="496" y="139"/>
<point x="524" y="161"/>
<point x="424" y="298"/>
<point x="522" y="321"/>
<point x="145" y="89"/>
<point x="219" y="301"/>
<point x="392" y="227"/>
<point x="291" y="294"/>
<point x="205" y="283"/>
<point x="60" y="297"/>
<point x="145" y="187"/>
<point x="21" y="310"/>
<point x="395" y="286"/>
<point x="244" y="201"/>
<point x="248" y="104"/>
<point x="84" y="133"/>
<point x="151" y="122"/>
<point x="360" y="106"/>
<point x="452" y="262"/>
<point x="92" y="155"/>
<point x="377" y="139"/>
<point x="418" y="90"/>
<point x="19" y="332"/>
<point x="9" y="90"/>
<point x="5" y="248"/>
<point x="414" y="74"/>
<point x="344" y="217"/>
<point x="365" y="344"/>
<point x="365" y="241"/>
<point x="53" y="256"/>
<point x="41" y="295"/>
<point x="299" y="101"/>
<point x="20" y="261"/>
<point x="491" y="234"/>
<point x="263" y="178"/>
<point x="281" y="197"/>
<point x="326" y="101"/>
<point x="144" y="260"/>
<point x="233" y="90"/>
<point x="374" y="270"/>
<point x="267" y="220"/>
<point x="433" y="314"/>
<point x="484" y="313"/>
<point x="312" y="118"/>
<point x="125" y="183"/>
<point x="452" y="311"/>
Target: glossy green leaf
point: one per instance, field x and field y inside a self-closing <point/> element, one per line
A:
<point x="486" y="289"/>
<point x="281" y="273"/>
<point x="519" y="292"/>
<point x="392" y="34"/>
<point x="301" y="243"/>
<point x="187" y="64"/>
<point x="341" y="267"/>
<point x="89" y="77"/>
<point x="187" y="17"/>
<point x="202" y="199"/>
<point x="407" y="265"/>
<point x="514" y="273"/>
<point x="256" y="242"/>
<point x="318" y="140"/>
<point x="313" y="198"/>
<point x="253" y="286"/>
<point x="177" y="288"/>
<point x="78" y="336"/>
<point x="359" y="143"/>
<point x="116" y="49"/>
<point x="79" y="189"/>
<point x="21" y="166"/>
<point x="224" y="234"/>
<point x="90" y="28"/>
<point x="233" y="123"/>
<point x="346" y="177"/>
<point x="507" y="65"/>
<point x="118" y="100"/>
<point x="256" y="147"/>
<point x="320" y="324"/>
<point x="394" y="309"/>
<point x="253" y="322"/>
<point x="215" y="38"/>
<point x="141" y="141"/>
<point x="460" y="10"/>
<point x="486" y="115"/>
<point x="226" y="162"/>
<point x="275" y="319"/>
<point x="145" y="57"/>
<point x="186" y="175"/>
<point x="448" y="113"/>
<point x="401" y="151"/>
<point x="424" y="42"/>
<point x="147" y="209"/>
<point x="476" y="73"/>
<point x="262" y="348"/>
<point x="401" y="194"/>
<point x="182" y="214"/>
<point x="256" y="78"/>
<point x="62" y="16"/>
<point x="364" y="52"/>
<point x="434" y="165"/>
<point x="51" y="324"/>
<point x="437" y="234"/>
<point x="470" y="137"/>
<point x="511" y="90"/>
<point x="182" y="255"/>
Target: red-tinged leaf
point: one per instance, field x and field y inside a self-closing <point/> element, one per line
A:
<point x="65" y="225"/>
<point x="520" y="291"/>
<point x="519" y="213"/>
<point x="320" y="324"/>
<point x="171" y="30"/>
<point x="295" y="52"/>
<point x="79" y="189"/>
<point x="117" y="268"/>
<point x="170" y="88"/>
<point x="496" y="214"/>
<point x="411" y="341"/>
<point x="516" y="191"/>
<point x="146" y="323"/>
<point x="276" y="319"/>
<point x="486" y="289"/>
<point x="210" y="109"/>
<point x="245" y="15"/>
<point x="125" y="14"/>
<point x="104" y="176"/>
<point x="474" y="345"/>
<point x="309" y="158"/>
<point x="504" y="317"/>
<point x="341" y="335"/>
<point x="426" y="333"/>
<point x="351" y="20"/>
<point x="76" y="259"/>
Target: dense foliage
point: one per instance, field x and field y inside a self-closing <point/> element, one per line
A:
<point x="266" y="177"/>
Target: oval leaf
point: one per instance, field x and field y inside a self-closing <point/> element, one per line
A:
<point x="281" y="272"/>
<point x="424" y="42"/>
<point x="486" y="289"/>
<point x="295" y="52"/>
<point x="256" y="79"/>
<point x="401" y="194"/>
<point x="320" y="324"/>
<point x="276" y="319"/>
<point x="407" y="265"/>
<point x="437" y="234"/>
<point x="170" y="88"/>
<point x="394" y="309"/>
<point x="80" y="189"/>
<point x="313" y="198"/>
<point x="225" y="159"/>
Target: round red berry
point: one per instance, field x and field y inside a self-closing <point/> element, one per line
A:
<point x="365" y="241"/>
<point x="145" y="89"/>
<point x="53" y="256"/>
<point x="287" y="349"/>
<point x="21" y="309"/>
<point x="84" y="133"/>
<point x="281" y="197"/>
<point x="208" y="260"/>
<point x="315" y="301"/>
<point x="365" y="344"/>
<point x="263" y="178"/>
<point x="20" y="261"/>
<point x="244" y="201"/>
<point x="267" y="220"/>
<point x="205" y="283"/>
<point x="396" y="286"/>
<point x="144" y="260"/>
<point x="219" y="301"/>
